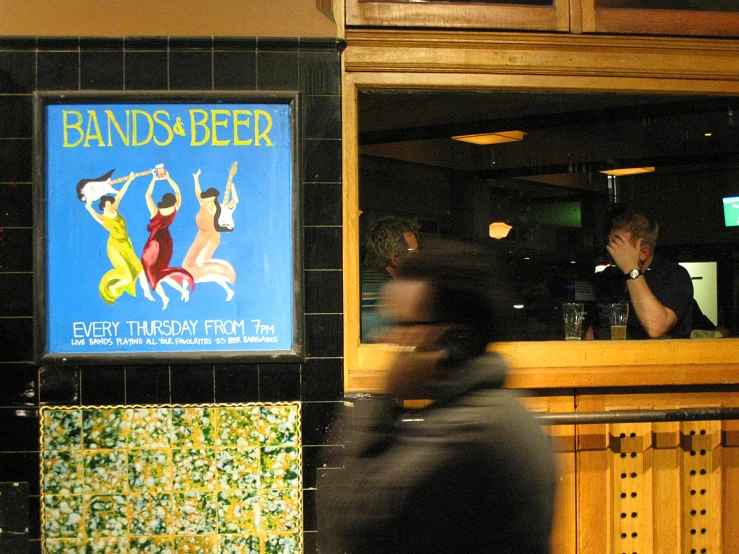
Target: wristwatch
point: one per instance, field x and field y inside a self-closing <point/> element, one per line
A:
<point x="633" y="274"/>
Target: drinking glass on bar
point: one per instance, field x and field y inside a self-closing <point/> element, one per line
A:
<point x="619" y="315"/>
<point x="573" y="314"/>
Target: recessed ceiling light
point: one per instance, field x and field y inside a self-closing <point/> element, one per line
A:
<point x="627" y="171"/>
<point x="708" y="135"/>
<point x="492" y="138"/>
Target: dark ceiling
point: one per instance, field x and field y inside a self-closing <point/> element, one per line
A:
<point x="567" y="133"/>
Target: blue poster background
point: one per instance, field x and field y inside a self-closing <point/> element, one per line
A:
<point x="259" y="316"/>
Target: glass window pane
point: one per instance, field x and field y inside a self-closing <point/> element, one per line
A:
<point x="542" y="175"/>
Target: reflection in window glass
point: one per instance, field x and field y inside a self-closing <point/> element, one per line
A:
<point x="546" y="183"/>
<point x="692" y="5"/>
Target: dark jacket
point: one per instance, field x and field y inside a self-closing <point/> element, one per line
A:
<point x="471" y="473"/>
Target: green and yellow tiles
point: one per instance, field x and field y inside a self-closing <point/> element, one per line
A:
<point x="213" y="479"/>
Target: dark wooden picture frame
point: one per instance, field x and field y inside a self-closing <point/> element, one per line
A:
<point x="198" y="136"/>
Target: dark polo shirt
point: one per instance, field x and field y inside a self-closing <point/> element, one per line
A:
<point x="669" y="282"/>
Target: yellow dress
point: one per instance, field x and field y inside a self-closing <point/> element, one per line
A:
<point x="126" y="265"/>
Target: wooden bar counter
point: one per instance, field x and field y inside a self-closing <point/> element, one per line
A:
<point x="627" y="487"/>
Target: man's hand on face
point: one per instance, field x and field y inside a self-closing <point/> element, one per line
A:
<point x="624" y="254"/>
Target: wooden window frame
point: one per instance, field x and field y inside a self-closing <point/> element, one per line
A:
<point x="461" y="16"/>
<point x="557" y="63"/>
<point x="658" y="22"/>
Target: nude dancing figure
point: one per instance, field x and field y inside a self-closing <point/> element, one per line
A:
<point x="199" y="260"/>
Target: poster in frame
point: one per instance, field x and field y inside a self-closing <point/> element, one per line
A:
<point x="167" y="227"/>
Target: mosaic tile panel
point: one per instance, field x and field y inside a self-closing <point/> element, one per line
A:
<point x="212" y="479"/>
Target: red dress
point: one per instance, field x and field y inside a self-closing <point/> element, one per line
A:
<point x="158" y="253"/>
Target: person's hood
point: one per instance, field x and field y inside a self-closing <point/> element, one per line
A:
<point x="487" y="371"/>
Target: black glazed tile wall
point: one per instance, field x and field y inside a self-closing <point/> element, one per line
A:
<point x="322" y="423"/>
<point x="322" y="379"/>
<point x="15" y="123"/>
<point x="323" y="290"/>
<point x="321" y="249"/>
<point x="322" y="117"/>
<point x="15" y="160"/>
<point x="322" y="161"/>
<point x="146" y="70"/>
<point x="59" y="385"/>
<point x="147" y="384"/>
<point x="15" y="246"/>
<point x="25" y="423"/>
<point x="310" y="522"/>
<point x="318" y="74"/>
<point x="322" y="204"/>
<point x="316" y="458"/>
<point x="324" y="335"/>
<point x="16" y="202"/>
<point x="101" y="70"/>
<point x="235" y="70"/>
<point x="310" y="541"/>
<point x="16" y="338"/>
<point x="17" y="297"/>
<point x="192" y="384"/>
<point x="18" y="72"/>
<point x="237" y="383"/>
<point x="104" y="386"/>
<point x="101" y="43"/>
<point x="279" y="382"/>
<point x="19" y="385"/>
<point x="34" y="525"/>
<point x="13" y="517"/>
<point x="190" y="70"/>
<point x="58" y="71"/>
<point x="311" y="66"/>
<point x="277" y="70"/>
<point x="20" y="467"/>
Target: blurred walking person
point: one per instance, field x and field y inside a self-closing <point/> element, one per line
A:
<point x="470" y="473"/>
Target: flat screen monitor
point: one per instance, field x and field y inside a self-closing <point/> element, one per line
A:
<point x="731" y="211"/>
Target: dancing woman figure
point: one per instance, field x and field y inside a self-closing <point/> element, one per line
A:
<point x="159" y="247"/>
<point x="127" y="268"/>
<point x="199" y="260"/>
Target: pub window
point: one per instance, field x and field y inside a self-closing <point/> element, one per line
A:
<point x="542" y="173"/>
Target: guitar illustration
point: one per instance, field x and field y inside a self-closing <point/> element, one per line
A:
<point x="226" y="218"/>
<point x="95" y="189"/>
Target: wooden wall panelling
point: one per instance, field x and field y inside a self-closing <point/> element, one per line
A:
<point x="469" y="15"/>
<point x="563" y="444"/>
<point x="666" y="486"/>
<point x="657" y="487"/>
<point x="730" y="486"/>
<point x="630" y="471"/>
<point x="658" y="22"/>
<point x="702" y="490"/>
<point x="593" y="512"/>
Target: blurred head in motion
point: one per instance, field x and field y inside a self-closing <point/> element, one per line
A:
<point x="442" y="309"/>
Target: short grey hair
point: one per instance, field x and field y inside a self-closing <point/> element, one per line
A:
<point x="386" y="238"/>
